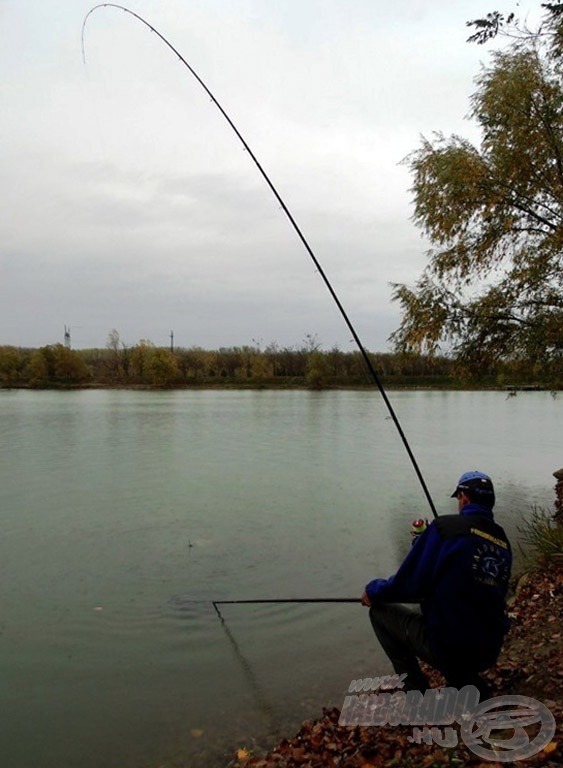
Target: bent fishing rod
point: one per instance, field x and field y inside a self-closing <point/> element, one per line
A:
<point x="369" y="365"/>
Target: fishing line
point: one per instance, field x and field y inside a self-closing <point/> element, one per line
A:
<point x="295" y="226"/>
<point x="262" y="701"/>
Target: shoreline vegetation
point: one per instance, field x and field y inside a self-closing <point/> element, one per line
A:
<point x="145" y="366"/>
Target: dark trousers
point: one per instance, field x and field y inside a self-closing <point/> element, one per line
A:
<point x="402" y="633"/>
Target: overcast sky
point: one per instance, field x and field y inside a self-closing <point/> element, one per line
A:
<point x="128" y="203"/>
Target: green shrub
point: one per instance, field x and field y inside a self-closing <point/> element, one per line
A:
<point x="542" y="537"/>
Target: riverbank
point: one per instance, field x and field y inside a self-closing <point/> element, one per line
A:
<point x="531" y="664"/>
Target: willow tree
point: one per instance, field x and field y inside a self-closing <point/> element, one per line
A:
<point x="493" y="287"/>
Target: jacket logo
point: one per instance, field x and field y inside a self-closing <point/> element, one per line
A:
<point x="489" y="565"/>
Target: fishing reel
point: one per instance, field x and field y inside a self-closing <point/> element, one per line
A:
<point x="418" y="527"/>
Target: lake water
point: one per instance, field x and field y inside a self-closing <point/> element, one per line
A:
<point x="120" y="509"/>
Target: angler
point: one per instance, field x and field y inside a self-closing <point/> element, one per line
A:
<point x="457" y="572"/>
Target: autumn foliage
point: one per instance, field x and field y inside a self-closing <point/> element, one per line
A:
<point x="493" y="214"/>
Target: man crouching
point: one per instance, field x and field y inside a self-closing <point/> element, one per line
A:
<point x="457" y="571"/>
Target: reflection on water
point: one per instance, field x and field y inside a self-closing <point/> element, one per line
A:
<point x="113" y="503"/>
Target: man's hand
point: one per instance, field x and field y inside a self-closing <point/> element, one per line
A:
<point x="365" y="600"/>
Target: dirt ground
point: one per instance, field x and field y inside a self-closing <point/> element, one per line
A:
<point x="531" y="664"/>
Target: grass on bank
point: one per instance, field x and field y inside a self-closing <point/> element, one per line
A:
<point x="542" y="538"/>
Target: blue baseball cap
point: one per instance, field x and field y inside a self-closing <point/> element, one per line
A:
<point x="480" y="485"/>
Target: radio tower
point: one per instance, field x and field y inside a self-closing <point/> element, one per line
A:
<point x="172" y="341"/>
<point x="67" y="337"/>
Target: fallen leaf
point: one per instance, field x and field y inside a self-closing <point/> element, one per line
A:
<point x="243" y="754"/>
<point x="551" y="747"/>
<point x="196" y="732"/>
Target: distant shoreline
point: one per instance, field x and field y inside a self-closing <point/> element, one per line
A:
<point x="146" y="366"/>
<point x="417" y="385"/>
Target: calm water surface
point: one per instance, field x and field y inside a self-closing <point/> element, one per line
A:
<point x="120" y="509"/>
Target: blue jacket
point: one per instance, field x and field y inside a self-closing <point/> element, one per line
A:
<point x="458" y="570"/>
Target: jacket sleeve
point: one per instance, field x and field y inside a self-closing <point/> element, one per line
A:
<point x="411" y="582"/>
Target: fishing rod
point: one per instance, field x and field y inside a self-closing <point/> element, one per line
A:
<point x="301" y="236"/>
<point x="291" y="600"/>
<point x="183" y="602"/>
<point x="215" y="603"/>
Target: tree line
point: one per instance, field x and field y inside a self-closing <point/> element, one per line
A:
<point x="274" y="366"/>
